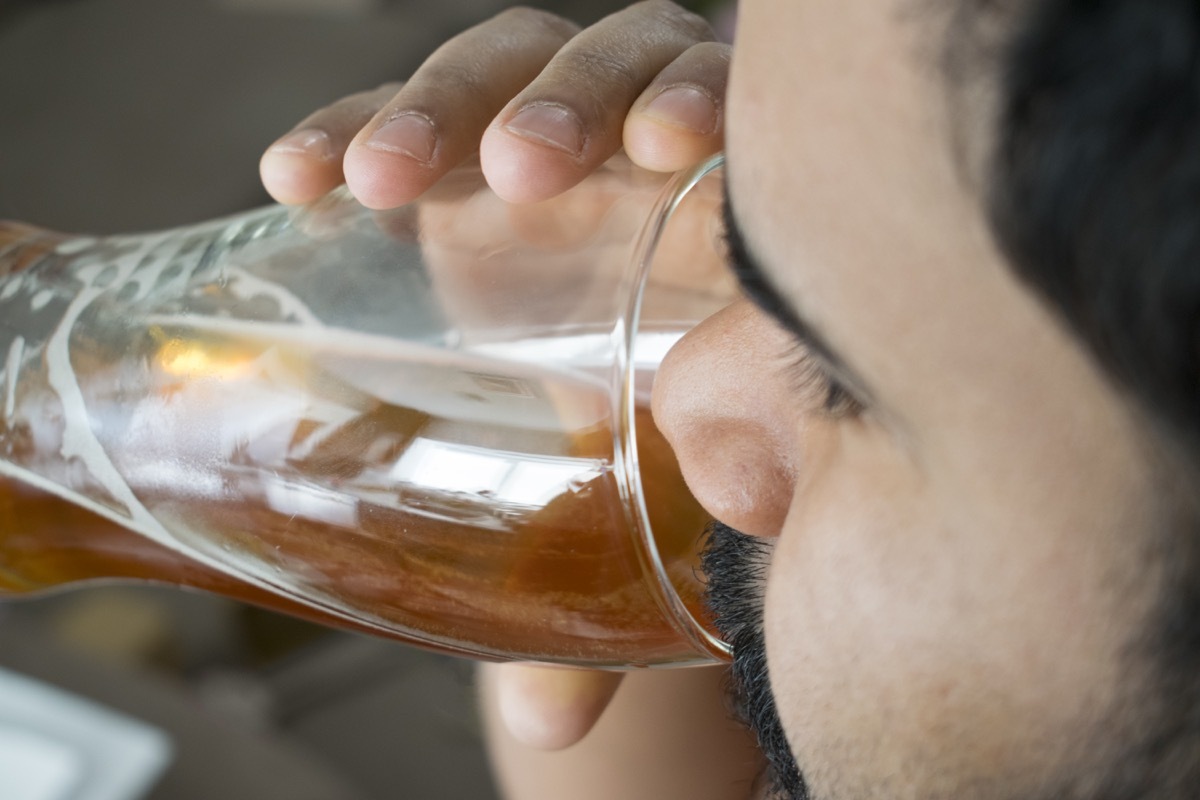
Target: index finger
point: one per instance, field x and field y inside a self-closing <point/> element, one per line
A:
<point x="434" y="122"/>
<point x="570" y="119"/>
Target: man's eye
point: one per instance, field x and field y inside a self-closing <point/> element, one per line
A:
<point x="840" y="402"/>
<point x="814" y="383"/>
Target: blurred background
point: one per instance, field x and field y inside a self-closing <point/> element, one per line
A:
<point x="133" y="115"/>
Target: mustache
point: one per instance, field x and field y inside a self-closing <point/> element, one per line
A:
<point x="735" y="565"/>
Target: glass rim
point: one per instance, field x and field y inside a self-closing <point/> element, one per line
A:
<point x="626" y="439"/>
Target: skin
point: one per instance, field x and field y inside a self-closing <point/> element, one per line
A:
<point x="960" y="572"/>
<point x="543" y="709"/>
<point x="958" y="560"/>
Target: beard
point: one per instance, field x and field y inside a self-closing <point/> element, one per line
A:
<point x="735" y="565"/>
<point x="1161" y="763"/>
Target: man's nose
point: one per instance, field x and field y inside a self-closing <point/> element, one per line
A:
<point x="722" y="404"/>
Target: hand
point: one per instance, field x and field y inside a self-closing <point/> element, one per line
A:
<point x="548" y="708"/>
<point x="543" y="103"/>
<point x="667" y="733"/>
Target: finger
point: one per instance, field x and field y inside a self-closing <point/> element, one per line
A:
<point x="569" y="121"/>
<point x="436" y="120"/>
<point x="551" y="708"/>
<point x="307" y="162"/>
<point x="678" y="120"/>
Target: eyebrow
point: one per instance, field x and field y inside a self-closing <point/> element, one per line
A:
<point x="748" y="270"/>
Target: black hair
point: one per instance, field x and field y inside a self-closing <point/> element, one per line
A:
<point x="1094" y="188"/>
<point x="1093" y="194"/>
<point x="735" y="565"/>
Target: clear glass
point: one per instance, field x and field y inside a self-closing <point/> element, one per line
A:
<point x="430" y="423"/>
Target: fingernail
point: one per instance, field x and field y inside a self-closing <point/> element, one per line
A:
<point x="685" y="107"/>
<point x="409" y="135"/>
<point x="307" y="141"/>
<point x="550" y="124"/>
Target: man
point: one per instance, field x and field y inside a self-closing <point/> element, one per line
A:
<point x="958" y="426"/>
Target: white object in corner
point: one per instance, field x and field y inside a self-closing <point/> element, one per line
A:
<point x="58" y="746"/>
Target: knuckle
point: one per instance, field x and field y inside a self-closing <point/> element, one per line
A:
<point x="377" y="96"/>
<point x="712" y="51"/>
<point x="391" y="87"/>
<point x="710" y="58"/>
<point x="536" y="18"/>
<point x="467" y="76"/>
<point x="674" y="17"/>
<point x="357" y="106"/>
<point x="607" y="66"/>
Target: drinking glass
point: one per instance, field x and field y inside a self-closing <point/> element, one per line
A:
<point x="431" y="423"/>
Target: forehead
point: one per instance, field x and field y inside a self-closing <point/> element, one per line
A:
<point x="844" y="175"/>
<point x="834" y="107"/>
<point x="842" y="170"/>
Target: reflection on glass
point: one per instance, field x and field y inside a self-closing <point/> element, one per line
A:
<point x="413" y="423"/>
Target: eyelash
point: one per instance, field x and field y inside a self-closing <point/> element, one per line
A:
<point x="807" y="371"/>
<point x="809" y="376"/>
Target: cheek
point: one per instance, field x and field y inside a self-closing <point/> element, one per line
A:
<point x="907" y="644"/>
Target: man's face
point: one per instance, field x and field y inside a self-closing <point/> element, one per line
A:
<point x="960" y="569"/>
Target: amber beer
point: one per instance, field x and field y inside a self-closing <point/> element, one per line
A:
<point x="335" y="492"/>
<point x="430" y="423"/>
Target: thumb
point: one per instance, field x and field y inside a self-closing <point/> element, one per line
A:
<point x="549" y="708"/>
